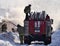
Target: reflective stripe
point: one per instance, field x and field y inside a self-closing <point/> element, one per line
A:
<point x="37" y="26"/>
<point x="26" y="27"/>
<point x="37" y="30"/>
<point x="38" y="23"/>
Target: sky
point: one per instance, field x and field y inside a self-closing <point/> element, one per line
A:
<point x="16" y="7"/>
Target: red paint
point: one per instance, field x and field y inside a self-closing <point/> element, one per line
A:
<point x="32" y="26"/>
<point x="42" y="27"/>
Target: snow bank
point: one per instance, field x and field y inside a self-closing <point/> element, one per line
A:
<point x="36" y="45"/>
<point x="55" y="39"/>
<point x="8" y="39"/>
<point x="5" y="43"/>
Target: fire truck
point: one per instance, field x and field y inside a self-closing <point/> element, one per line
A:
<point x="38" y="27"/>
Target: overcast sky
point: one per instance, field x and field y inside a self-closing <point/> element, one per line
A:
<point x="52" y="7"/>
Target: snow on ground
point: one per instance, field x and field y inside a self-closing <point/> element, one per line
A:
<point x="55" y="39"/>
<point x="5" y="43"/>
<point x="36" y="45"/>
<point x="12" y="39"/>
<point x="7" y="38"/>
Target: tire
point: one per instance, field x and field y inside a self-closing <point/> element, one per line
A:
<point x="27" y="42"/>
<point x="47" y="41"/>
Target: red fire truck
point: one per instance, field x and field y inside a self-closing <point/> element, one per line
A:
<point x="38" y="28"/>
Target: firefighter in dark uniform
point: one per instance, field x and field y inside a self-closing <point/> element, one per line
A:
<point x="47" y="17"/>
<point x="48" y="24"/>
<point x="27" y="10"/>
<point x="20" y="31"/>
<point x="4" y="27"/>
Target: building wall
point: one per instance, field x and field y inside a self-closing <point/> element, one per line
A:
<point x="10" y="25"/>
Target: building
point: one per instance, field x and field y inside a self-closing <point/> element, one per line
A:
<point x="10" y="25"/>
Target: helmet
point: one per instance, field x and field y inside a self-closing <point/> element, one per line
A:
<point x="29" y="4"/>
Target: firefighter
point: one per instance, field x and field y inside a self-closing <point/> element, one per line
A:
<point x="27" y="10"/>
<point x="19" y="29"/>
<point x="47" y="17"/>
<point x="4" y="27"/>
<point x="48" y="24"/>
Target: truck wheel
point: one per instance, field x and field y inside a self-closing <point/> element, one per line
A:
<point x="47" y="41"/>
<point x="27" y="42"/>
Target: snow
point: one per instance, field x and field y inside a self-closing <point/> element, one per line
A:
<point x="36" y="45"/>
<point x="12" y="39"/>
<point x="7" y="39"/>
<point x="5" y="43"/>
<point x="55" y="39"/>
